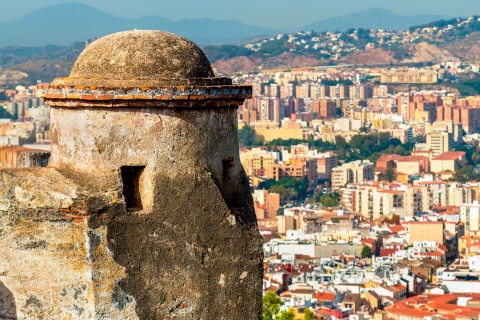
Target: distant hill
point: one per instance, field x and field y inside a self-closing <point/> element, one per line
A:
<point x="66" y="23"/>
<point x="374" y="18"/>
<point x="425" y="44"/>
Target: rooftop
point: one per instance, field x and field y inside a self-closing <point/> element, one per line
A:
<point x="139" y="68"/>
<point x="142" y="54"/>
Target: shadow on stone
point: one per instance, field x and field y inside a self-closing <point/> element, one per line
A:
<point x="8" y="308"/>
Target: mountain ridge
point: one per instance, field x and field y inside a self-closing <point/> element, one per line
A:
<point x="66" y="23"/>
<point x="373" y="18"/>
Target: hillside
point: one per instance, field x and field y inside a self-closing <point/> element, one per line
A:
<point x="435" y="42"/>
<point x="426" y="44"/>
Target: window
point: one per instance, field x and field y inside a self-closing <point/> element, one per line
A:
<point x="132" y="179"/>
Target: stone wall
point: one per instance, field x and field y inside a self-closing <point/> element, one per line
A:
<point x="52" y="264"/>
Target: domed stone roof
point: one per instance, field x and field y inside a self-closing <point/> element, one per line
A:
<point x="142" y="55"/>
<point x="142" y="68"/>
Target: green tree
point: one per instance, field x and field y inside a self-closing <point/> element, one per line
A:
<point x="271" y="304"/>
<point x="465" y="174"/>
<point x="267" y="184"/>
<point x="284" y="193"/>
<point x="366" y="252"/>
<point x="308" y="314"/>
<point x="247" y="137"/>
<point x="286" y="315"/>
<point x="330" y="200"/>
<point x="289" y="188"/>
<point x="390" y="175"/>
<point x="275" y="143"/>
<point x="400" y="151"/>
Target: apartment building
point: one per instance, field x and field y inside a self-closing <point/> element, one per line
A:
<point x="325" y="164"/>
<point x="470" y="216"/>
<point x="439" y="142"/>
<point x="373" y="199"/>
<point x="256" y="160"/>
<point x="352" y="172"/>
<point x="409" y="76"/>
<point x="296" y="167"/>
<point x="448" y="161"/>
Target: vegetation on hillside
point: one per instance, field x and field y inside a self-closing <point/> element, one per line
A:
<point x="435" y="24"/>
<point x="271" y="304"/>
<point x="289" y="188"/>
<point x="361" y="147"/>
<point x="226" y="52"/>
<point x="248" y="138"/>
<point x="459" y="28"/>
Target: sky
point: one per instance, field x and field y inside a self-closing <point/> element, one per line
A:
<point x="262" y="13"/>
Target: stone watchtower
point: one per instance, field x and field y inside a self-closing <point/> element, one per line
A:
<point x="144" y="211"/>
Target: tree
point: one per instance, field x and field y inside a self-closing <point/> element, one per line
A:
<point x="270" y="306"/>
<point x="247" y="137"/>
<point x="366" y="252"/>
<point x="390" y="175"/>
<point x="308" y="314"/>
<point x="275" y="143"/>
<point x="466" y="174"/>
<point x="400" y="151"/>
<point x="286" y="315"/>
<point x="284" y="193"/>
<point x="267" y="184"/>
<point x="330" y="200"/>
<point x="288" y="188"/>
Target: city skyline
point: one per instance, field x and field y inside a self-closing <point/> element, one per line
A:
<point x="282" y="13"/>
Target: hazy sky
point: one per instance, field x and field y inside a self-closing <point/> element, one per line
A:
<point x="264" y="13"/>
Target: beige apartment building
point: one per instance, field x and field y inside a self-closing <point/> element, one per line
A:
<point x="459" y="194"/>
<point x="448" y="161"/>
<point x="437" y="191"/>
<point x="266" y="204"/>
<point x="417" y="199"/>
<point x="271" y="133"/>
<point x="470" y="216"/>
<point x="410" y="76"/>
<point x="439" y="142"/>
<point x="352" y="172"/>
<point x="256" y="160"/>
<point x="421" y="230"/>
<point x="295" y="167"/>
<point x="375" y="200"/>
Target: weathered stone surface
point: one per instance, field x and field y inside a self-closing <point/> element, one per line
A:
<point x="51" y="268"/>
<point x="19" y="157"/>
<point x="142" y="54"/>
<point x="196" y="240"/>
<point x="144" y="211"/>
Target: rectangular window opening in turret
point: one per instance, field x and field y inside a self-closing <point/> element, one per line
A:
<point x="132" y="183"/>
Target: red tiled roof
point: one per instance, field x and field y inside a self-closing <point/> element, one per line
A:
<point x="387" y="252"/>
<point x="369" y="241"/>
<point x="399" y="287"/>
<point x="435" y="254"/>
<point x="324" y="296"/>
<point x="430" y="182"/>
<point x="427" y="305"/>
<point x="396" y="228"/>
<point x="450" y="155"/>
